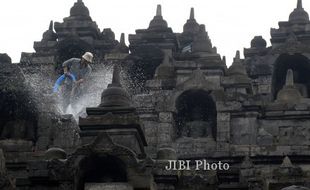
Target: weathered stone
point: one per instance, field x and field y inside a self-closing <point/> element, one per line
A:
<point x="166" y="117"/>
<point x="55" y="153"/>
<point x="166" y="69"/>
<point x="299" y="15"/>
<point x="263" y="137"/>
<point x="237" y="67"/>
<point x="166" y="154"/>
<point x="5" y="58"/>
<point x="121" y="47"/>
<point x="294" y="187"/>
<point x="11" y="145"/>
<point x="286" y="162"/>
<point x="115" y="95"/>
<point x="202" y="43"/>
<point x="186" y="105"/>
<point x="6" y="182"/>
<point x="18" y="111"/>
<point x="108" y="186"/>
<point x="258" y="42"/>
<point x="289" y="93"/>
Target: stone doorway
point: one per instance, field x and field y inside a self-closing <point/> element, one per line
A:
<point x="105" y="171"/>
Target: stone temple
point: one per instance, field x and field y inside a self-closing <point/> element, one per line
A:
<point x="171" y="97"/>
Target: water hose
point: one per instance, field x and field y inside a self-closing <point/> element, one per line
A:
<point x="61" y="79"/>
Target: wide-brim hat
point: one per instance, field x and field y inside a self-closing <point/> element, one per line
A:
<point x="88" y="57"/>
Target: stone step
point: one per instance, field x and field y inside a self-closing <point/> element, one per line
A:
<point x="230" y="176"/>
<point x="232" y="186"/>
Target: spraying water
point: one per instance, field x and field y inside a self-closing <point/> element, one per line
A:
<point x="101" y="77"/>
<point x="42" y="80"/>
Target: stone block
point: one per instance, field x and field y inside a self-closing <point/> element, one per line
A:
<point x="188" y="146"/>
<point x="264" y="89"/>
<point x="44" y="60"/>
<point x="223" y="117"/>
<point x="165" y="128"/>
<point x="108" y="186"/>
<point x="143" y="100"/>
<point x="244" y="139"/>
<point x="223" y="136"/>
<point x="283" y="150"/>
<point x="240" y="150"/>
<point x="166" y="154"/>
<point x="16" y="145"/>
<point x="264" y="80"/>
<point x="265" y="140"/>
<point x="164" y="140"/>
<point x="228" y="106"/>
<point x="221" y="146"/>
<point x="293" y="135"/>
<point x="166" y="117"/>
<point x="223" y="126"/>
<point x="150" y="129"/>
<point x="271" y="129"/>
<point x="43" y="143"/>
<point x="164" y="102"/>
<point x="243" y="130"/>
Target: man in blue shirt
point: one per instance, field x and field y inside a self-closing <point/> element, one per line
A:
<point x="81" y="70"/>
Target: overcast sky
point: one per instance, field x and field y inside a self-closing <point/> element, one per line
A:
<point x="231" y="24"/>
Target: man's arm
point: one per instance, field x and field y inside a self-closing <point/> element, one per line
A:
<point x="85" y="74"/>
<point x="70" y="62"/>
<point x="67" y="63"/>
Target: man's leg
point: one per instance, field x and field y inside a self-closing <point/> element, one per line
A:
<point x="66" y="97"/>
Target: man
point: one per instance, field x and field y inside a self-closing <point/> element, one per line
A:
<point x="80" y="69"/>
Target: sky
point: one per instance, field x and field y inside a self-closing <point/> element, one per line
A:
<point x="231" y="24"/>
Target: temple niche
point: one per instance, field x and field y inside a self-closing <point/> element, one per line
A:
<point x="300" y="66"/>
<point x="196" y="115"/>
<point x="102" y="170"/>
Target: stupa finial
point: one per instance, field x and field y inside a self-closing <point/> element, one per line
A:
<point x="51" y="25"/>
<point x="158" y="10"/>
<point x="122" y="40"/>
<point x="237" y="54"/>
<point x="299" y="4"/>
<point x="237" y="57"/>
<point x="289" y="78"/>
<point x="114" y="95"/>
<point x="192" y="14"/>
<point x="286" y="162"/>
<point x="166" y="58"/>
<point x="116" y="76"/>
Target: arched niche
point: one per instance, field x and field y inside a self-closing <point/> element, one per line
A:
<point x="301" y="69"/>
<point x="101" y="169"/>
<point x="195" y="114"/>
<point x="69" y="48"/>
<point x="107" y="164"/>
